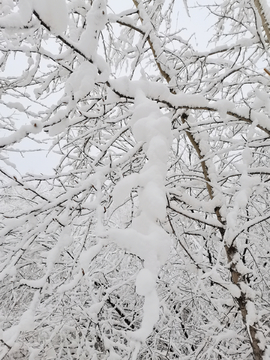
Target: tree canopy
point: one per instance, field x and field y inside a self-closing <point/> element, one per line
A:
<point x="148" y="237"/>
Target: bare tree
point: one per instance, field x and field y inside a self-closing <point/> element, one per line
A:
<point x="150" y="239"/>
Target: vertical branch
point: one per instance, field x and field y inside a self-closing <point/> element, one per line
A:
<point x="265" y="21"/>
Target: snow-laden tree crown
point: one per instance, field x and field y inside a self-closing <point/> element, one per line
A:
<point x="148" y="235"/>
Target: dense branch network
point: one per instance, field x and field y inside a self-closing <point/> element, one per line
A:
<point x="149" y="240"/>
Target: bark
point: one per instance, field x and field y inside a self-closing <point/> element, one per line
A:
<point x="265" y="24"/>
<point x="253" y="330"/>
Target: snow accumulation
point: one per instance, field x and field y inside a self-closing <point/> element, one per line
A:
<point x="159" y="91"/>
<point x="64" y="240"/>
<point x="241" y="197"/>
<point x="227" y="334"/>
<point x="145" y="282"/>
<point x="50" y="11"/>
<point x="82" y="80"/>
<point x="55" y="14"/>
<point x="34" y="128"/>
<point x="150" y="317"/>
<point x="95" y="22"/>
<point x="26" y="323"/>
<point x="88" y="255"/>
<point x="59" y="122"/>
<point x="146" y="238"/>
<point x="94" y="310"/>
<point x="69" y="286"/>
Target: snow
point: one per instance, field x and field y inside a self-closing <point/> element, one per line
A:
<point x="87" y="256"/>
<point x="84" y="109"/>
<point x="266" y="355"/>
<point x="151" y="316"/>
<point x="60" y="123"/>
<point x="234" y="290"/>
<point x="250" y="293"/>
<point x="50" y="11"/>
<point x="15" y="105"/>
<point x="26" y="323"/>
<point x="10" y="335"/>
<point x="262" y="119"/>
<point x="153" y="201"/>
<point x="242" y="196"/>
<point x="227" y="334"/>
<point x="123" y="188"/>
<point x="198" y="217"/>
<point x="159" y="91"/>
<point x="82" y="80"/>
<point x="113" y="355"/>
<point x="103" y="67"/>
<point x="251" y="317"/>
<point x="153" y="246"/>
<point x="205" y="205"/>
<point x="95" y="22"/>
<point x="69" y="286"/>
<point x="64" y="240"/>
<point x="25" y="10"/>
<point x="9" y="270"/>
<point x="146" y="238"/>
<point x="158" y="150"/>
<point x="247" y="156"/>
<point x="18" y="135"/>
<point x="33" y="353"/>
<point x="36" y="284"/>
<point x="145" y="282"/>
<point x="93" y="310"/>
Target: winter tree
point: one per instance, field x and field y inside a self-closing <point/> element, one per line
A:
<point x="149" y="236"/>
